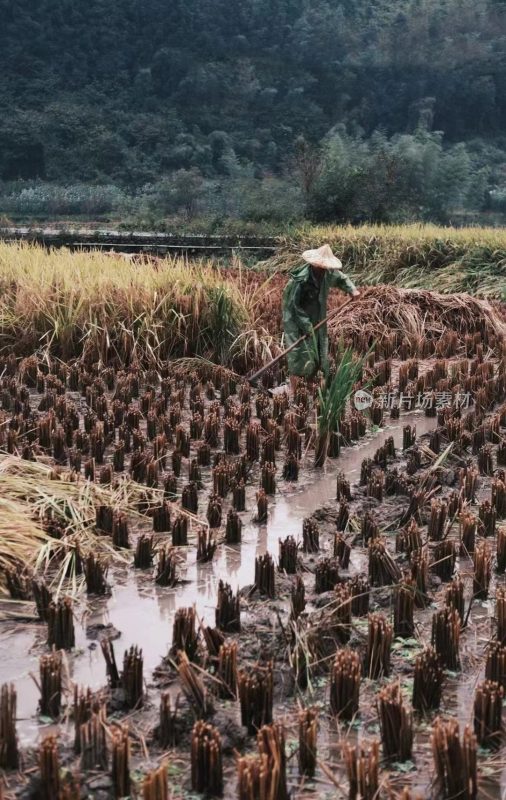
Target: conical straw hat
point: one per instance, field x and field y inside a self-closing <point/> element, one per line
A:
<point x="323" y="257"/>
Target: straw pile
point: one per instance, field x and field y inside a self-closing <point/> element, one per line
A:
<point x="20" y="537"/>
<point x="380" y="310"/>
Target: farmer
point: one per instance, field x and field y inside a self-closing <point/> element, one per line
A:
<point x="305" y="304"/>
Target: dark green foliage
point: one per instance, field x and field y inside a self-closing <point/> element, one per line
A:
<point x="196" y="101"/>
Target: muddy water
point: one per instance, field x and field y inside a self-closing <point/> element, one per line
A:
<point x="143" y="613"/>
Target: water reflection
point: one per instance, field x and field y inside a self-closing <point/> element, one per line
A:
<point x="143" y="612"/>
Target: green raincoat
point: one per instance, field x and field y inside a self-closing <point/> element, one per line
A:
<point x="304" y="305"/>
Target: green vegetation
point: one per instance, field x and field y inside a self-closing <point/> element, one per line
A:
<point x="263" y="111"/>
<point x="332" y="399"/>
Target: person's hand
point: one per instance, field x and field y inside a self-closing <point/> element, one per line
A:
<point x="355" y="293"/>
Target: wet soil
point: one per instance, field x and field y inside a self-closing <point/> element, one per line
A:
<point x="138" y="612"/>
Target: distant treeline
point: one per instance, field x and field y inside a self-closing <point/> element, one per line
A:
<point x="358" y="109"/>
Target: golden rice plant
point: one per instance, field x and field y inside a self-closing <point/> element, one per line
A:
<point x="86" y="301"/>
<point x="416" y="256"/>
<point x="21" y="538"/>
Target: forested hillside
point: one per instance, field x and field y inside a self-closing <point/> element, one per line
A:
<point x="178" y="99"/>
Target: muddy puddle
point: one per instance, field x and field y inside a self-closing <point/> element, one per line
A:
<point x="143" y="613"/>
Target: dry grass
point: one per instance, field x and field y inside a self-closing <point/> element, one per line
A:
<point x="383" y="310"/>
<point x="21" y="538"/>
<point x="145" y="310"/>
<point x="32" y="491"/>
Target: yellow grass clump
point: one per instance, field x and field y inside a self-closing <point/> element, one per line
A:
<point x="88" y="302"/>
<point x="380" y="311"/>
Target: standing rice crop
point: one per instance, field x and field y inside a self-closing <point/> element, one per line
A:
<point x="87" y="302"/>
<point x="414" y="256"/>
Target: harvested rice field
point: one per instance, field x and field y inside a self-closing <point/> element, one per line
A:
<point x="215" y="589"/>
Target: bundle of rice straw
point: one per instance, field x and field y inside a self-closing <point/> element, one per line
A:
<point x="413" y="314"/>
<point x="21" y="537"/>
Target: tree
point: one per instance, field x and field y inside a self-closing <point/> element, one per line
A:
<point x="168" y="68"/>
<point x="21" y="150"/>
<point x="307" y="164"/>
<point x="180" y="193"/>
<point x="227" y="85"/>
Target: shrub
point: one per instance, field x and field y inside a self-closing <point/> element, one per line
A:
<point x="46" y="199"/>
